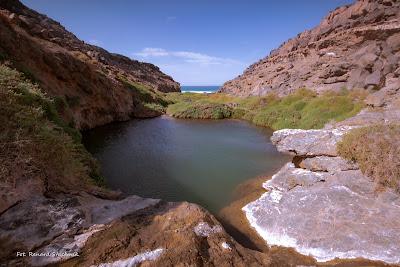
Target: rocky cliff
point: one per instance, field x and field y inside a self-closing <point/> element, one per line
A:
<point x="356" y="46"/>
<point x="98" y="86"/>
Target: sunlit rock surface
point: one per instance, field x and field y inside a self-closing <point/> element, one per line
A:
<point x="83" y="230"/>
<point x="354" y="46"/>
<point x="321" y="204"/>
<point x="327" y="215"/>
<point x="309" y="142"/>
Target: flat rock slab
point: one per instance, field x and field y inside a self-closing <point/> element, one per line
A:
<point x="328" y="215"/>
<point x="49" y="226"/>
<point x="39" y="220"/>
<point x="309" y="142"/>
<point x="327" y="164"/>
<point x="104" y="211"/>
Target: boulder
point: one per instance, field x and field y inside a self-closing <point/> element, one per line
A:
<point x="306" y="143"/>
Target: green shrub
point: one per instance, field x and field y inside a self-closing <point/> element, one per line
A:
<point x="155" y="106"/>
<point x="305" y="110"/>
<point x="377" y="151"/>
<point x="301" y="109"/>
<point x="28" y="74"/>
<point x="145" y="93"/>
<point x="200" y="111"/>
<point x="29" y="94"/>
<point x="35" y="142"/>
<point x="239" y="113"/>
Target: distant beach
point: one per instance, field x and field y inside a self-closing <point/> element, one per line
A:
<point x="200" y="89"/>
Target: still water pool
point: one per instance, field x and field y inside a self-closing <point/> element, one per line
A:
<point x="200" y="161"/>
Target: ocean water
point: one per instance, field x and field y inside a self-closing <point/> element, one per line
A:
<point x="200" y="89"/>
<point x="200" y="161"/>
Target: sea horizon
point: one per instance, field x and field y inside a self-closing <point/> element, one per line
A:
<point x="200" y="88"/>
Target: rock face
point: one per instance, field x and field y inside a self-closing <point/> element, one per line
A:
<point x="328" y="215"/>
<point x="88" y="77"/>
<point x="321" y="204"/>
<point x="82" y="230"/>
<point x="356" y="46"/>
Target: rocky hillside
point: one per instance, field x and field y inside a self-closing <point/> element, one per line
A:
<point x="356" y="46"/>
<point x="97" y="86"/>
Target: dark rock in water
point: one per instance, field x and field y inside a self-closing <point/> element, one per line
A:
<point x="356" y="46"/>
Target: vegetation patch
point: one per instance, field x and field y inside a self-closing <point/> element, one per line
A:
<point x="200" y="111"/>
<point x="302" y="109"/>
<point x="305" y="110"/>
<point x="377" y="151"/>
<point x="34" y="141"/>
<point x="144" y="93"/>
<point x="155" y="107"/>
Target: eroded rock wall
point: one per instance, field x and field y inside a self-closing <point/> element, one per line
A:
<point x="356" y="46"/>
<point x="87" y="76"/>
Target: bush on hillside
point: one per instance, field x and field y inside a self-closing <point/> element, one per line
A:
<point x="200" y="111"/>
<point x="377" y="151"/>
<point x="144" y="93"/>
<point x="301" y="109"/>
<point x="305" y="110"/>
<point x="34" y="142"/>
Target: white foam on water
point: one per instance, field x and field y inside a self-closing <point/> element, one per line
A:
<point x="197" y="92"/>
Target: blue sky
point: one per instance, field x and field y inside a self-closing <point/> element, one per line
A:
<point x="197" y="42"/>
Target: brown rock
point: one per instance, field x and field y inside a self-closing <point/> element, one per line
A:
<point x="87" y="76"/>
<point x="91" y="231"/>
<point x="365" y="36"/>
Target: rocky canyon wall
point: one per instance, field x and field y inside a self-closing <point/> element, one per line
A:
<point x="355" y="46"/>
<point x="90" y="79"/>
